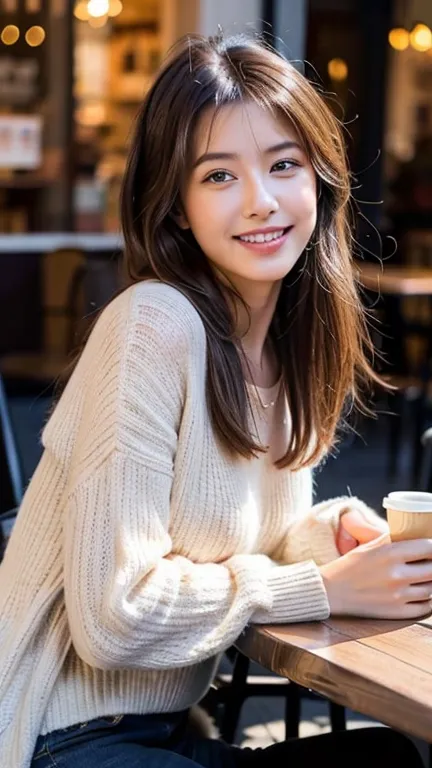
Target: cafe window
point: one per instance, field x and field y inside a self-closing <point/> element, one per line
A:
<point x="408" y="133"/>
<point x="116" y="56"/>
<point x="67" y="106"/>
<point x="23" y="92"/>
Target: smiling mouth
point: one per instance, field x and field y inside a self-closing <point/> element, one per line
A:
<point x="262" y="237"/>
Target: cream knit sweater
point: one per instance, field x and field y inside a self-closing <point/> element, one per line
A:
<point x="140" y="552"/>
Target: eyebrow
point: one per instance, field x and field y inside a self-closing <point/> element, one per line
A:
<point x="207" y="156"/>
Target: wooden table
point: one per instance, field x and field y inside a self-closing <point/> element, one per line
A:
<point x="379" y="668"/>
<point x="395" y="280"/>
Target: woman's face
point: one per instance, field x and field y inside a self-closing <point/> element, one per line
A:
<point x="250" y="197"/>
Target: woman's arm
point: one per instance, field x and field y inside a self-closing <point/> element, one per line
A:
<point x="131" y="599"/>
<point x="133" y="602"/>
<point x="313" y="531"/>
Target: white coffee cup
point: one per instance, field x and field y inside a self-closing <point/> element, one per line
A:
<point x="409" y="515"/>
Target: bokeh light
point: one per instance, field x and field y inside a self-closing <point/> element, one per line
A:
<point x="115" y="8"/>
<point x="98" y="8"/>
<point x="81" y="11"/>
<point x="399" y="38"/>
<point x="35" y="36"/>
<point x="421" y="38"/>
<point x="337" y="69"/>
<point x="10" y="34"/>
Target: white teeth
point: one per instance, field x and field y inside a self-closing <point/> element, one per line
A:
<point x="261" y="238"/>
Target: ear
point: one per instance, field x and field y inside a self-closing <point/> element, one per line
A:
<point x="182" y="221"/>
<point x="179" y="216"/>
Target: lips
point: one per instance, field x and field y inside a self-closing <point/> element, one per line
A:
<point x="264" y="243"/>
<point x="265" y="235"/>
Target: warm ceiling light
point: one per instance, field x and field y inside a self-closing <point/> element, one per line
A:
<point x="421" y="37"/>
<point x="35" y="36"/>
<point x="337" y="69"/>
<point x="115" y="8"/>
<point x="10" y="34"/>
<point x="97" y="12"/>
<point x="98" y="8"/>
<point x="81" y="11"/>
<point x="399" y="38"/>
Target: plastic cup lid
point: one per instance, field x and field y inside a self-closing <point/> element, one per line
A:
<point x="408" y="501"/>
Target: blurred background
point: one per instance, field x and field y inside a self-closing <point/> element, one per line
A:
<point x="72" y="76"/>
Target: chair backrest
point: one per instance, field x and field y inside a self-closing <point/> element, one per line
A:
<point x="11" y="476"/>
<point x="417" y="244"/>
<point x="417" y="250"/>
<point x="427" y="460"/>
<point x="63" y="298"/>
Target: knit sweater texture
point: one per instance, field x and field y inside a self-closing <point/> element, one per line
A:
<point x="141" y="550"/>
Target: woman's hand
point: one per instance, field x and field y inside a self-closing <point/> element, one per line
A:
<point x="381" y="579"/>
<point x="355" y="527"/>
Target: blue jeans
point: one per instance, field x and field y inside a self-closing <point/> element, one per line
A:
<point x="153" y="741"/>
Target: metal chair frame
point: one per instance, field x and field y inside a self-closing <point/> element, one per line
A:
<point x="228" y="694"/>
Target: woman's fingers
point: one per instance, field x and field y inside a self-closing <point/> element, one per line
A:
<point x="417" y="573"/>
<point x="414" y="610"/>
<point x="381" y="579"/>
<point x="345" y="542"/>
<point x="410" y="551"/>
<point x="401" y="611"/>
<point x="420" y="592"/>
<point x="361" y="527"/>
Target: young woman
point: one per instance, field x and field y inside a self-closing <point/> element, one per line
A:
<point x="173" y="502"/>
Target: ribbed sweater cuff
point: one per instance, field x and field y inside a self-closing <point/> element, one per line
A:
<point x="298" y="594"/>
<point x="325" y="526"/>
<point x="326" y="523"/>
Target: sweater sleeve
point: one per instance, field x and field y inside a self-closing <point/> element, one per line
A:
<point x="132" y="601"/>
<point x="311" y="532"/>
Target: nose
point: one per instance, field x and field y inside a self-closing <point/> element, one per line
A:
<point x="259" y="200"/>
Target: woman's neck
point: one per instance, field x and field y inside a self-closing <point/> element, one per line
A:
<point x="260" y="362"/>
<point x="253" y="325"/>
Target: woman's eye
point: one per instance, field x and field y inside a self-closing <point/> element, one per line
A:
<point x="219" y="177"/>
<point x="284" y="165"/>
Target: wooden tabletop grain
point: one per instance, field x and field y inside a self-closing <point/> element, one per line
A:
<point x="379" y="668"/>
<point x="396" y="280"/>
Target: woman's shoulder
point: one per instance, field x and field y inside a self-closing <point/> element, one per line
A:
<point x="154" y="306"/>
<point x="149" y="336"/>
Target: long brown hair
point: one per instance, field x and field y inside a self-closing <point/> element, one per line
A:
<point x="319" y="329"/>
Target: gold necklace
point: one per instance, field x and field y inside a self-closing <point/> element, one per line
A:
<point x="272" y="403"/>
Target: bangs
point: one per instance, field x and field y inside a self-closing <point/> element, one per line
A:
<point x="242" y="86"/>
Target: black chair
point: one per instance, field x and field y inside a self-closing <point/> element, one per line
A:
<point x="229" y="692"/>
<point x="63" y="311"/>
<point x="426" y="460"/>
<point x="7" y="520"/>
<point x="11" y="475"/>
